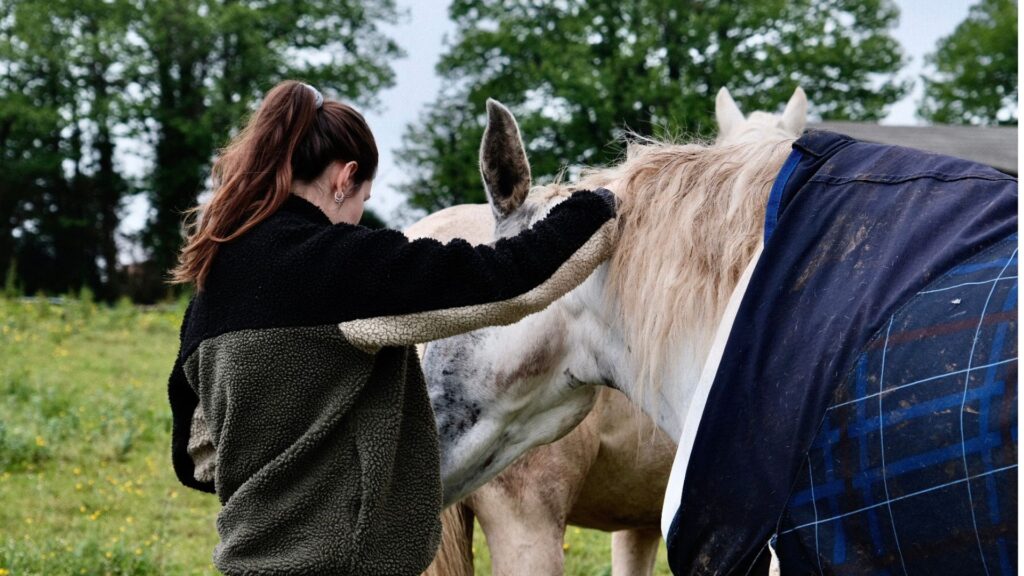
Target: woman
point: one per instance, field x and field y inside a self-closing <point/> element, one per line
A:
<point x="296" y="395"/>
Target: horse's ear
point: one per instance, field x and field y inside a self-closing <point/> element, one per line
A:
<point x="503" y="163"/>
<point x="794" y="117"/>
<point x="727" y="113"/>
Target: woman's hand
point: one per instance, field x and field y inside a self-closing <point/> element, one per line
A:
<point x="609" y="197"/>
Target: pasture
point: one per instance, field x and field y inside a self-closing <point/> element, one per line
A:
<point x="85" y="476"/>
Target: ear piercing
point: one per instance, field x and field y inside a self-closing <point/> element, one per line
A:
<point x="339" y="197"/>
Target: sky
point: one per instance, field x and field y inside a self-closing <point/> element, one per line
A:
<point x="425" y="29"/>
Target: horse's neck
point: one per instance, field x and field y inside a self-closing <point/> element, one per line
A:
<point x="669" y="403"/>
<point x="602" y="355"/>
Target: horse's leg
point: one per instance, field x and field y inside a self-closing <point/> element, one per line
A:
<point x="523" y="544"/>
<point x="455" y="555"/>
<point x="634" y="551"/>
<point x="523" y="510"/>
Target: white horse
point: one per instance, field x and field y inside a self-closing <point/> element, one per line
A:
<point x="664" y="292"/>
<point x="609" y="473"/>
<point x="533" y="380"/>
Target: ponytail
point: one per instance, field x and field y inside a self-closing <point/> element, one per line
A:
<point x="288" y="138"/>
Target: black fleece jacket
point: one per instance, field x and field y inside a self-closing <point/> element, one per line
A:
<point x="295" y="372"/>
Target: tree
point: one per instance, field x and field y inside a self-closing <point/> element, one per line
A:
<point x="580" y="73"/>
<point x="205" y="62"/>
<point x="441" y="151"/>
<point x="181" y="74"/>
<point x="59" y="192"/>
<point x="974" y="76"/>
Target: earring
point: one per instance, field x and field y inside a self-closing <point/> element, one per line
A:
<point x="339" y="198"/>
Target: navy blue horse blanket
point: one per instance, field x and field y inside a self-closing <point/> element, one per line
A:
<point x="863" y="417"/>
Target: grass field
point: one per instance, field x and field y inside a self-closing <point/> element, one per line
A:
<point x="85" y="475"/>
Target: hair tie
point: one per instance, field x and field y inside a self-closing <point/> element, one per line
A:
<point x="317" y="94"/>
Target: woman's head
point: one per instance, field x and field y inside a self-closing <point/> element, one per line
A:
<point x="289" y="139"/>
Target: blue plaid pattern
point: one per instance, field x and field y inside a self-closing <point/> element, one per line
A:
<point x="914" y="467"/>
<point x="863" y="412"/>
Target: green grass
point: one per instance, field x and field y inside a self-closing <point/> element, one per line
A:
<point x="85" y="473"/>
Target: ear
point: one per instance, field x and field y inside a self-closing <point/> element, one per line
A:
<point x="344" y="178"/>
<point x="794" y="117"/>
<point x="727" y="113"/>
<point x="503" y="163"/>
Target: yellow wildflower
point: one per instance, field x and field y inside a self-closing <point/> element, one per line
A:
<point x="4" y="571"/>
<point x="109" y="554"/>
<point x="77" y="471"/>
<point x="40" y="441"/>
<point x="565" y="546"/>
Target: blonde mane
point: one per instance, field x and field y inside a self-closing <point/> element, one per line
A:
<point x="692" y="216"/>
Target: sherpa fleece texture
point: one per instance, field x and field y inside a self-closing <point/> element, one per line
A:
<point x="298" y="399"/>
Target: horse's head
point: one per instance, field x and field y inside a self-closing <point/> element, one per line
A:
<point x="691" y="219"/>
<point x="734" y="128"/>
<point x="499" y="391"/>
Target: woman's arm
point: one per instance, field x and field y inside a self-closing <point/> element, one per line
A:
<point x="402" y="292"/>
<point x="185" y="411"/>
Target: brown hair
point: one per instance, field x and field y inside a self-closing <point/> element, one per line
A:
<point x="287" y="137"/>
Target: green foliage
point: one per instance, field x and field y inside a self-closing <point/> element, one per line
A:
<point x="579" y="74"/>
<point x="441" y="151"/>
<point x="371" y="219"/>
<point x="60" y="98"/>
<point x="974" y="69"/>
<point x="179" y="74"/>
<point x="12" y="288"/>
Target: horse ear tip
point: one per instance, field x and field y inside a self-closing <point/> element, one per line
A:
<point x="494" y="106"/>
